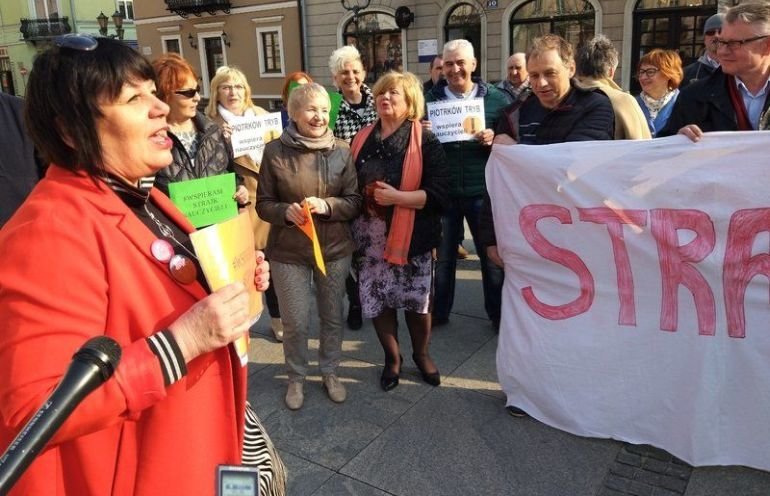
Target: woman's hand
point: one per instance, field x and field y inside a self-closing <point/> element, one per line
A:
<point x="426" y="125"/>
<point x="213" y="322"/>
<point x="494" y="256"/>
<point x="227" y="131"/>
<point x="385" y="194"/>
<point x="241" y="195"/>
<point x="295" y="214"/>
<point x="317" y="205"/>
<point x="262" y="272"/>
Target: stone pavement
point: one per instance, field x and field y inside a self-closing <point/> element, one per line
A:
<point x="456" y="439"/>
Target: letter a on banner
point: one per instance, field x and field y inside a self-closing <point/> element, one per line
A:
<point x="309" y="229"/>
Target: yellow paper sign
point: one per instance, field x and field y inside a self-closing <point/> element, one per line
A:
<point x="226" y="254"/>
<point x="309" y="229"/>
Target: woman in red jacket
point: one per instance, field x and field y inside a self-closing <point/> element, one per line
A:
<point x="94" y="251"/>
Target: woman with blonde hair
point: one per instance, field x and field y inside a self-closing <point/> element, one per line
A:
<point x="308" y="173"/>
<point x="404" y="179"/>
<point x="231" y="100"/>
<point x="660" y="73"/>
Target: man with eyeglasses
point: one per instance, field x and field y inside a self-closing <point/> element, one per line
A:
<point x="708" y="62"/>
<point x="735" y="96"/>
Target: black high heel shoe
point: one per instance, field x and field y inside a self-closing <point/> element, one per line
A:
<point x="388" y="382"/>
<point x="432" y="378"/>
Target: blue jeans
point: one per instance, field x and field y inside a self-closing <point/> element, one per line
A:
<point x="446" y="263"/>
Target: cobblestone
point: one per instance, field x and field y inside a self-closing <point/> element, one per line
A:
<point x="643" y="470"/>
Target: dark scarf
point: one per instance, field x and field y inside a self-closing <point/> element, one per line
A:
<point x="740" y="109"/>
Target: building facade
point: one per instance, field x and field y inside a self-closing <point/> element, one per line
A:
<point x="28" y="26"/>
<point x="403" y="34"/>
<point x="259" y="37"/>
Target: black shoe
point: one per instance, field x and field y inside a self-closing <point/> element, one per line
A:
<point x="432" y="378"/>
<point x="388" y="382"/>
<point x="355" y="321"/>
<point x="515" y="411"/>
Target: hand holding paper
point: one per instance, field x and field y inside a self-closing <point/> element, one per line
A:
<point x="309" y="229"/>
<point x="296" y="214"/>
<point x="317" y="205"/>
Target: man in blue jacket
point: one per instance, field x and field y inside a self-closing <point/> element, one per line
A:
<point x="467" y="161"/>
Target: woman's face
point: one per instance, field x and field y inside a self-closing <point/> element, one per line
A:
<point x="391" y="104"/>
<point x="231" y="93"/>
<point x="133" y="132"/>
<point x="184" y="107"/>
<point x="312" y="117"/>
<point x="652" y="81"/>
<point x="350" y="78"/>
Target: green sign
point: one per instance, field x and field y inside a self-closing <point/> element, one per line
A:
<point x="336" y="99"/>
<point x="205" y="201"/>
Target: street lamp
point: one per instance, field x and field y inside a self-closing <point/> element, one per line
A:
<point x="355" y="7"/>
<point x="117" y="19"/>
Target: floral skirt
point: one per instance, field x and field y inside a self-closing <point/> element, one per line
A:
<point x="382" y="284"/>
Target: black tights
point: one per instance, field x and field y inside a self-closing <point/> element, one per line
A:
<point x="419" y="325"/>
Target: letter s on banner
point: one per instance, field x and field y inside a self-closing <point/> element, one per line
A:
<point x="528" y="218"/>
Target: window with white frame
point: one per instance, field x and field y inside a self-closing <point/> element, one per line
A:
<point x="172" y="44"/>
<point x="126" y="7"/>
<point x="271" y="59"/>
<point x="46" y="8"/>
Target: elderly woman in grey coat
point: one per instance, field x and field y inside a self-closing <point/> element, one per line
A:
<point x="309" y="170"/>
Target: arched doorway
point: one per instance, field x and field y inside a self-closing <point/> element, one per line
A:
<point x="573" y="20"/>
<point x="669" y="24"/>
<point x="464" y="22"/>
<point x="378" y="38"/>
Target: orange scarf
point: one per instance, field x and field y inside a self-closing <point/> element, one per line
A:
<point x="402" y="223"/>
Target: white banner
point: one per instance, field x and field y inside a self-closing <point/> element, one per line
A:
<point x="456" y="120"/>
<point x="636" y="298"/>
<point x="250" y="134"/>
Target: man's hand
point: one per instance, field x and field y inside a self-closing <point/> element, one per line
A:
<point x="494" y="256"/>
<point x="485" y="137"/>
<point x="692" y="131"/>
<point x="504" y="139"/>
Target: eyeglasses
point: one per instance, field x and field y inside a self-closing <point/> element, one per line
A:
<point x="189" y="93"/>
<point x="647" y="72"/>
<point x="733" y="44"/>
<point x="231" y="87"/>
<point x="77" y="41"/>
<point x="711" y="32"/>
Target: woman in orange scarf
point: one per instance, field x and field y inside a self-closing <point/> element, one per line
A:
<point x="403" y="177"/>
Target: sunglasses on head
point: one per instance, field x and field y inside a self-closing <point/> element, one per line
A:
<point x="189" y="93"/>
<point x="77" y="41"/>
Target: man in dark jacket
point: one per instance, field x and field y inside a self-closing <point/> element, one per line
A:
<point x="467" y="161"/>
<point x="708" y="62"/>
<point x="559" y="111"/>
<point x="19" y="167"/>
<point x="735" y="96"/>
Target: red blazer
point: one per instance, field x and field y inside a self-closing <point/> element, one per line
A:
<point x="76" y="263"/>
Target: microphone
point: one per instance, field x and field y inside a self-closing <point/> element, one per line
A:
<point x="91" y="366"/>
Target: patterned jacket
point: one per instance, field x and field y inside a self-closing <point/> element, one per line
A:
<point x="349" y="122"/>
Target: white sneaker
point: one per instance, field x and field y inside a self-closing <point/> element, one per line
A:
<point x="294" y="396"/>
<point x="334" y="388"/>
<point x="277" y="326"/>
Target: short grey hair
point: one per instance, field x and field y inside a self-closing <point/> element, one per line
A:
<point x="342" y="56"/>
<point x="303" y="94"/>
<point x="458" y="46"/>
<point x="756" y="13"/>
<point x="597" y="58"/>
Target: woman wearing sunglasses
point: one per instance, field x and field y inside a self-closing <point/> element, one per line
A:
<point x="199" y="147"/>
<point x="95" y="252"/>
<point x="660" y="73"/>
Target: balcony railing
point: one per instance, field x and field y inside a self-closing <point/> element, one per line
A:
<point x="44" y="29"/>
<point x="184" y="8"/>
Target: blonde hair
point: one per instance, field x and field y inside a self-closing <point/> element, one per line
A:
<point x="412" y="87"/>
<point x="223" y="74"/>
<point x="303" y="94"/>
